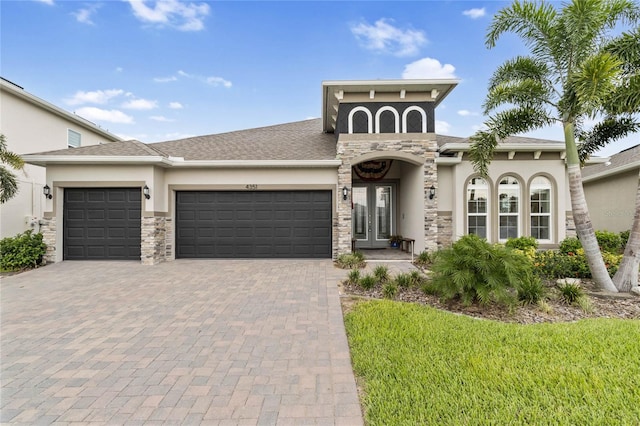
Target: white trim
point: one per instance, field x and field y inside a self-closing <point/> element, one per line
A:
<point x="422" y="113"/>
<point x="546" y="147"/>
<point x="369" y="117"/>
<point x="612" y="171"/>
<point x="395" y="114"/>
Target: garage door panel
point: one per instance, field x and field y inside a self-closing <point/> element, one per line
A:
<point x="254" y="224"/>
<point x="102" y="223"/>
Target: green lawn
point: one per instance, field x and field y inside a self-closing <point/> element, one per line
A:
<point x="423" y="366"/>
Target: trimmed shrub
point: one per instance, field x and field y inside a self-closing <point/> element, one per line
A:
<point x="624" y="237"/>
<point x="531" y="291"/>
<point x="474" y="270"/>
<point x="390" y="290"/>
<point x="368" y="282"/>
<point x="570" y="293"/>
<point x="416" y="278"/>
<point x="609" y="242"/>
<point x="403" y="280"/>
<point x="22" y="251"/>
<point x="381" y="273"/>
<point x="350" y="260"/>
<point x="423" y="259"/>
<point x="354" y="276"/>
<point x="522" y="243"/>
<point x="570" y="245"/>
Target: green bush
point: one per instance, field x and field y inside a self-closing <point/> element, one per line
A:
<point x="609" y="242"/>
<point x="531" y="291"/>
<point x="522" y="243"/>
<point x="381" y="273"/>
<point x="474" y="270"/>
<point x="22" y="251"/>
<point x="350" y="260"/>
<point x="570" y="245"/>
<point x="551" y="264"/>
<point x="624" y="237"/>
<point x="368" y="282"/>
<point x="354" y="276"/>
<point x="416" y="278"/>
<point x="403" y="280"/>
<point x="390" y="290"/>
<point x="423" y="259"/>
<point x="570" y="293"/>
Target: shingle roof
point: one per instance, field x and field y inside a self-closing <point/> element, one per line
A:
<point x="121" y="148"/>
<point x="301" y="140"/>
<point x="620" y="159"/>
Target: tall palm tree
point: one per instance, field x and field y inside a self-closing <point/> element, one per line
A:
<point x="577" y="69"/>
<point x="8" y="182"/>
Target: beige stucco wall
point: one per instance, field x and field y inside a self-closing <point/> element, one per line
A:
<point x="525" y="168"/>
<point x="29" y="128"/>
<point x="611" y="201"/>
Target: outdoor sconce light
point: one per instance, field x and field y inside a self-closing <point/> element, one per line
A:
<point x="345" y="193"/>
<point x="146" y="192"/>
<point x="47" y="192"/>
<point x="432" y="192"/>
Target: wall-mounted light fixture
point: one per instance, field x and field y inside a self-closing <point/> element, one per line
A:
<point x="146" y="192"/>
<point x="432" y="192"/>
<point x="47" y="192"/>
<point x="345" y="193"/>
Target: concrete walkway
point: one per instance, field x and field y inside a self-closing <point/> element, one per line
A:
<point x="211" y="342"/>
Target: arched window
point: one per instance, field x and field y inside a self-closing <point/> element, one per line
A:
<point x="360" y="120"/>
<point x="477" y="206"/>
<point x="414" y="120"/>
<point x="387" y="120"/>
<point x="508" y="208"/>
<point x="540" y="197"/>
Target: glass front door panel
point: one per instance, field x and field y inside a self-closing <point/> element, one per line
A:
<point x="360" y="213"/>
<point x="383" y="212"/>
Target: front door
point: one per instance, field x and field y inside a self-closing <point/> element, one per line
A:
<point x="373" y="212"/>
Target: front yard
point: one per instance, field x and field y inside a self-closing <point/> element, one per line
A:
<point x="419" y="365"/>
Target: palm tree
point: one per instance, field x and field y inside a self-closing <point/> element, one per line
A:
<point x="577" y="69"/>
<point x="8" y="182"/>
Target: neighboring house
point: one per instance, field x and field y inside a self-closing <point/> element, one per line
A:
<point x="31" y="124"/>
<point x="611" y="189"/>
<point x="371" y="167"/>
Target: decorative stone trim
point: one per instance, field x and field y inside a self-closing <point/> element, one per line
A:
<point x="445" y="229"/>
<point x="48" y="231"/>
<point x="152" y="240"/>
<point x="168" y="238"/>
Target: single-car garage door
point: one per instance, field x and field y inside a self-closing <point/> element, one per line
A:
<point x="102" y="223"/>
<point x="253" y="224"/>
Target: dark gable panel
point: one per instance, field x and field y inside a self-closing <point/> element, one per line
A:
<point x="387" y="120"/>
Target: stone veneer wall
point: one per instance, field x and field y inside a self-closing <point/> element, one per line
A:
<point x="445" y="229"/>
<point x="348" y="150"/>
<point x="48" y="231"/>
<point x="570" y="225"/>
<point x="152" y="236"/>
<point x="168" y="238"/>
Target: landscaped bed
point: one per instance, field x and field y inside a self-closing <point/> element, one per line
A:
<point x="420" y="365"/>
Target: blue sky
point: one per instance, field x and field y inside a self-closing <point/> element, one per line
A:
<point x="162" y="70"/>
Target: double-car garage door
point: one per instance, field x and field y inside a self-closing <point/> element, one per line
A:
<point x="104" y="223"/>
<point x="253" y="224"/>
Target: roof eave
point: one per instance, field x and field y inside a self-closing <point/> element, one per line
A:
<point x="612" y="171"/>
<point x="547" y="147"/>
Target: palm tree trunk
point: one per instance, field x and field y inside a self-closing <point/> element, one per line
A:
<point x="581" y="217"/>
<point x="627" y="275"/>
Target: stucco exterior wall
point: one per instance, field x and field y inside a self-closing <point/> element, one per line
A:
<point x="611" y="201"/>
<point x="30" y="128"/>
<point x="524" y="168"/>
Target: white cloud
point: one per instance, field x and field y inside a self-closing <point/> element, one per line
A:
<point x="49" y="2"/>
<point x="466" y="113"/>
<point x="475" y="13"/>
<point x="84" y="15"/>
<point x="140" y="104"/>
<point x="98" y="114"/>
<point x="171" y="13"/>
<point x="99" y="97"/>
<point x="442" y="127"/>
<point x="218" y="81"/>
<point x="119" y="69"/>
<point x="175" y="105"/>
<point x="477" y="127"/>
<point x="384" y="37"/>
<point x="161" y="119"/>
<point x="165" y="79"/>
<point x="428" y="68"/>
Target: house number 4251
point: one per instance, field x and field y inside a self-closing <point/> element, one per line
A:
<point x="252" y="186"/>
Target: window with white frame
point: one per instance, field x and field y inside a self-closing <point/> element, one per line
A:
<point x="508" y="207"/>
<point x="477" y="206"/>
<point x="540" y="197"/>
<point x="74" y="139"/>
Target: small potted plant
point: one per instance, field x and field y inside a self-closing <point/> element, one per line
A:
<point x="395" y="240"/>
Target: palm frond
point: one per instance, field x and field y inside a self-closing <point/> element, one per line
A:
<point x="595" y="80"/>
<point x="625" y="99"/>
<point x="608" y="130"/>
<point x="8" y="157"/>
<point x="482" y="148"/>
<point x="525" y="93"/>
<point x="8" y="185"/>
<point x="627" y="48"/>
<point x="518" y="69"/>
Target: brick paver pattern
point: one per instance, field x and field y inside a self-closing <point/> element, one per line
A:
<point x="211" y="342"/>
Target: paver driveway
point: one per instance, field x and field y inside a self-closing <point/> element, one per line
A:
<point x="183" y="342"/>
